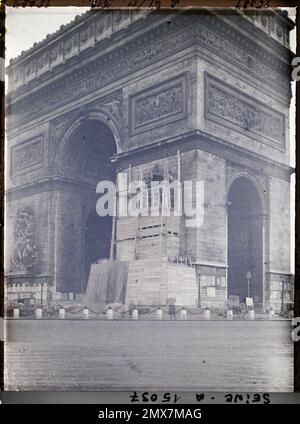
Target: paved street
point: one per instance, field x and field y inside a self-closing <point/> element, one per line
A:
<point x="97" y="355"/>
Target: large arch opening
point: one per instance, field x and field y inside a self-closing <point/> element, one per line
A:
<point x="245" y="240"/>
<point x="86" y="237"/>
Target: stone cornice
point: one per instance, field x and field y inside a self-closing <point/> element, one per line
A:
<point x="132" y="53"/>
<point x="198" y="262"/>
<point x="54" y="183"/>
<point x="198" y="139"/>
<point x="193" y="140"/>
<point x="261" y="35"/>
<point x="106" y="65"/>
<point x="81" y="20"/>
<point x="95" y="39"/>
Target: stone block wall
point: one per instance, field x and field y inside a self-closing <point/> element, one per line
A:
<point x="208" y="242"/>
<point x="154" y="281"/>
<point x="279" y="193"/>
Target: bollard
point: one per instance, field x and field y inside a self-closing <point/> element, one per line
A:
<point x="85" y="313"/>
<point x="109" y="313"/>
<point x="135" y="314"/>
<point x="16" y="313"/>
<point x="38" y="313"/>
<point x="207" y="314"/>
<point x="183" y="313"/>
<point x="251" y="314"/>
<point x="229" y="314"/>
<point x="159" y="314"/>
<point x="271" y="313"/>
<point x="61" y="313"/>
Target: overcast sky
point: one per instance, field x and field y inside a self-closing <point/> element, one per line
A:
<point x="29" y="25"/>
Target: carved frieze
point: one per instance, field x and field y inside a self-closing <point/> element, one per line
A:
<point x="158" y="105"/>
<point x="147" y="50"/>
<point x="234" y="109"/>
<point x="229" y="49"/>
<point x="27" y="156"/>
<point x="95" y="76"/>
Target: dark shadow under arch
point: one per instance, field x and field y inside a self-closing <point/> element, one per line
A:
<point x="245" y="240"/>
<point x="85" y="161"/>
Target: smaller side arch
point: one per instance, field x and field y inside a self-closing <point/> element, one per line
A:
<point x="246" y="207"/>
<point x="259" y="186"/>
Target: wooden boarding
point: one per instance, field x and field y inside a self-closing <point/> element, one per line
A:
<point x="153" y="281"/>
<point x="107" y="284"/>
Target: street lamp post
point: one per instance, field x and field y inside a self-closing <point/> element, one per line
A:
<point x="282" y="295"/>
<point x="248" y="276"/>
<point x="199" y="288"/>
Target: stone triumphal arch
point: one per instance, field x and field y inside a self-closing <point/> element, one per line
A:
<point x="191" y="95"/>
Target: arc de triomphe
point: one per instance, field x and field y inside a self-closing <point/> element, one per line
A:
<point x="203" y="95"/>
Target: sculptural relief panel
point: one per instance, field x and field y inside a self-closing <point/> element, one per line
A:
<point x="158" y="105"/>
<point x="234" y="109"/>
<point x="24" y="248"/>
<point x="27" y="156"/>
